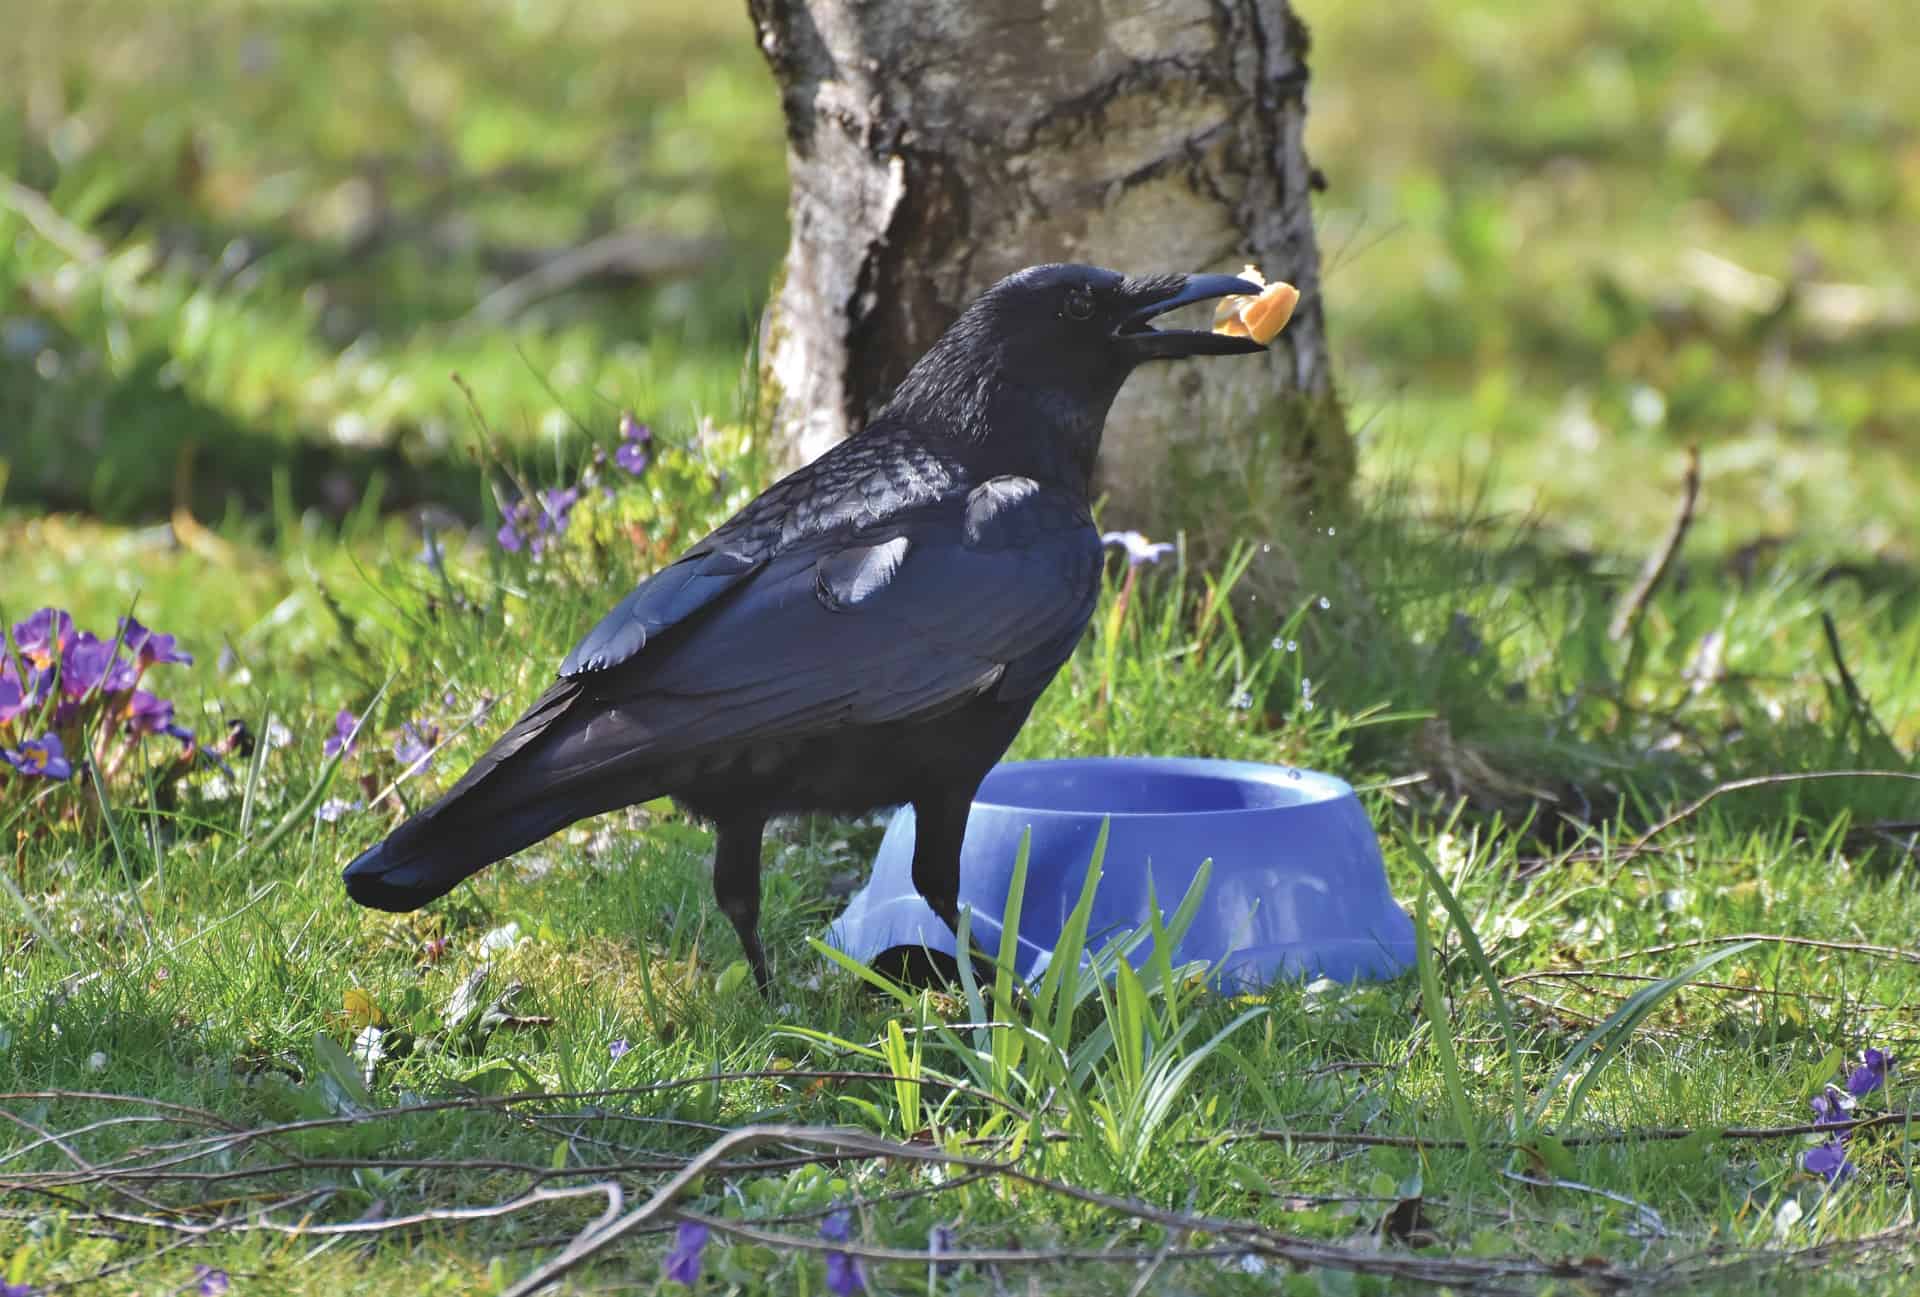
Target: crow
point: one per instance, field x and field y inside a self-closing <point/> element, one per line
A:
<point x="871" y="631"/>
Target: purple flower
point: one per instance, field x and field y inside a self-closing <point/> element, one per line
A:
<point x="89" y="663"/>
<point x="333" y="808"/>
<point x="1828" y="1160"/>
<point x="147" y="714"/>
<point x="1139" y="549"/>
<point x="509" y="533"/>
<point x="683" y="1262"/>
<point x="212" y="1282"/>
<point x="634" y="438"/>
<point x="42" y="637"/>
<point x="44" y="758"/>
<point x="1870" y="1075"/>
<point x="556" y="507"/>
<point x="1832" y="1106"/>
<point x="150" y="647"/>
<point x="618" y="1049"/>
<point x="414" y="749"/>
<point x="844" y="1276"/>
<point x="529" y="522"/>
<point x="15" y="1289"/>
<point x="17" y="698"/>
<point x="345" y="736"/>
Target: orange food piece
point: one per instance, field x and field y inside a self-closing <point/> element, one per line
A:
<point x="1260" y="318"/>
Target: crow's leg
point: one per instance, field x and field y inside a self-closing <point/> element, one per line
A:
<point x="940" y="822"/>
<point x="736" y="886"/>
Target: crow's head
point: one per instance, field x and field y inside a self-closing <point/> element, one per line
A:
<point x="1048" y="347"/>
<point x="1094" y="319"/>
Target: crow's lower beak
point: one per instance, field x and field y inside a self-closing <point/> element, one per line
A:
<point x="1148" y="343"/>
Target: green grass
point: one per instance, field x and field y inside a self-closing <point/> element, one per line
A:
<point x="1528" y="341"/>
<point x="1522" y="205"/>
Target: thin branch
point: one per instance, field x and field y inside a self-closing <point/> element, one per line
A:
<point x="981" y="1256"/>
<point x="636" y="253"/>
<point x="1648" y="1134"/>
<point x="1694" y="807"/>
<point x="1812" y="943"/>
<point x="1634" y="605"/>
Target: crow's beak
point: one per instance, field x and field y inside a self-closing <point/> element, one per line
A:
<point x="1139" y="336"/>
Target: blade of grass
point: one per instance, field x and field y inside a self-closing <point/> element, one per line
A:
<point x="1435" y="1003"/>
<point x="1482" y="967"/>
<point x="1618" y="1027"/>
<point x="119" y="848"/>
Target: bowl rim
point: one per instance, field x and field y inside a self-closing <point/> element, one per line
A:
<point x="1321" y="788"/>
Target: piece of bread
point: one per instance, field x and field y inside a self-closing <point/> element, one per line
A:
<point x="1260" y="318"/>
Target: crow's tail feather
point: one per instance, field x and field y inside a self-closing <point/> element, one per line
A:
<point x="527" y="786"/>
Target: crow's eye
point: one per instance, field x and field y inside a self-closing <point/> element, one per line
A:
<point x="1079" y="304"/>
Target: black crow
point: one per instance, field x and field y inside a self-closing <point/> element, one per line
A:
<point x="871" y="631"/>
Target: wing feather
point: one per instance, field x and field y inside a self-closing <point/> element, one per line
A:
<point x="905" y="620"/>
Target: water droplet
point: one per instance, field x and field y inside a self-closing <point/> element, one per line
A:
<point x="1266" y="549"/>
<point x="1306" y="704"/>
<point x="1243" y="701"/>
<point x="1306" y="684"/>
<point x="1325" y="602"/>
<point x="1278" y="643"/>
<point x="1329" y="531"/>
<point x="1292" y="644"/>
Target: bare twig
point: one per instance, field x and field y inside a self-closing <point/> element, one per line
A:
<point x="1634" y="604"/>
<point x="1812" y="943"/>
<point x="1859" y="708"/>
<point x="1227" y="1238"/>
<point x="1648" y="1216"/>
<point x="1578" y="975"/>
<point x="638" y="253"/>
<point x="981" y="1256"/>
<point x="1648" y="1134"/>
<point x="1694" y="807"/>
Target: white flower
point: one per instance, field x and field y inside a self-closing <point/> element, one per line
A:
<point x="500" y="939"/>
<point x="1139" y="548"/>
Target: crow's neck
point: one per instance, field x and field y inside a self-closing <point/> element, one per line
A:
<point x="997" y="417"/>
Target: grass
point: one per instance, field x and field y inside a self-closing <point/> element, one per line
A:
<point x="268" y="228"/>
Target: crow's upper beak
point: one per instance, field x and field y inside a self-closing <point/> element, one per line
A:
<point x="1137" y="333"/>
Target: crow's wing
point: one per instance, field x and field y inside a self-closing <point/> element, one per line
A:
<point x="987" y="591"/>
<point x="665" y="599"/>
<point x="861" y="483"/>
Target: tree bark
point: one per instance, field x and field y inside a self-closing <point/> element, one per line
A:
<point x="934" y="147"/>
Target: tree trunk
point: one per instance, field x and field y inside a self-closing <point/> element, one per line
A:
<point x="934" y="147"/>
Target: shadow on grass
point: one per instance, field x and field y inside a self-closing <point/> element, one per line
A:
<point x="116" y="448"/>
<point x="287" y="216"/>
<point x="1491" y="644"/>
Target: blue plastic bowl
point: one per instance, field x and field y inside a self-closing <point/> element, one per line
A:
<point x="1298" y="888"/>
